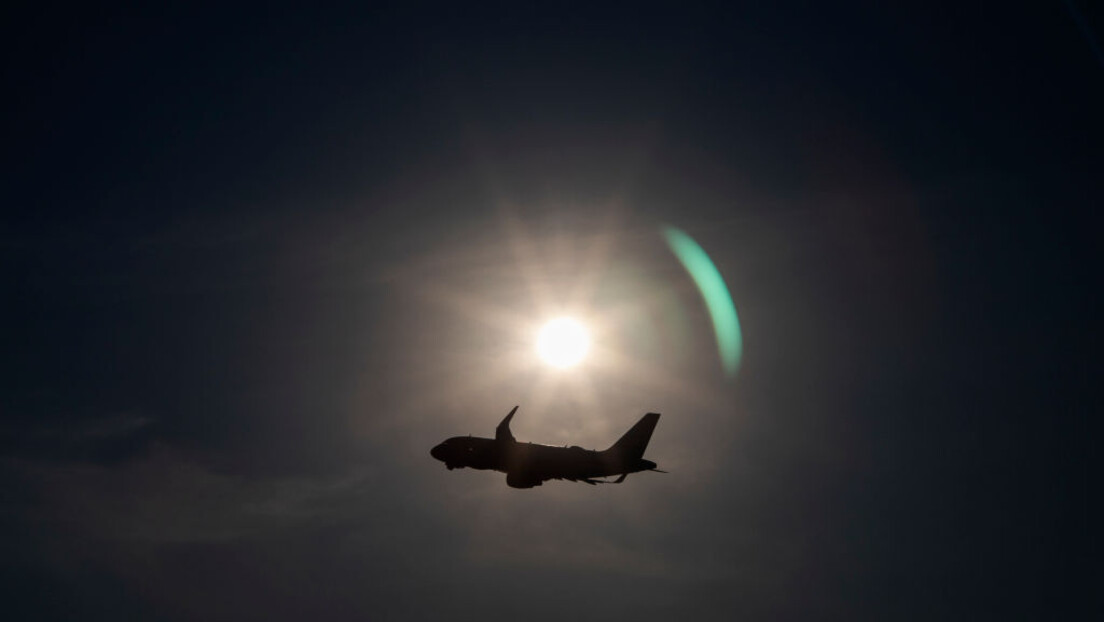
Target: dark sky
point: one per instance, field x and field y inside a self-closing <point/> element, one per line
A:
<point x="255" y="264"/>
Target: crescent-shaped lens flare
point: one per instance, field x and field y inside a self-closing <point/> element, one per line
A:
<point x="726" y="325"/>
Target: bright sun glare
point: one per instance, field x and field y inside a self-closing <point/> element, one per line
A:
<point x="563" y="342"/>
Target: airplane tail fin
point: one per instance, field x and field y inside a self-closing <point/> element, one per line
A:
<point x="631" y="446"/>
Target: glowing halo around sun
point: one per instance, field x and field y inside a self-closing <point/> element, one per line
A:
<point x="563" y="342"/>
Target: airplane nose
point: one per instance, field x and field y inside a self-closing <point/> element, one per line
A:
<point x="438" y="452"/>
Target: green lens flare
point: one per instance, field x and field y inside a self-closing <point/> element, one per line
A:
<point x="730" y="343"/>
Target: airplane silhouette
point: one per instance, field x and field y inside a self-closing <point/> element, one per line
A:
<point x="527" y="465"/>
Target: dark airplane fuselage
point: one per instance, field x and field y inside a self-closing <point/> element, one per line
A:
<point x="529" y="464"/>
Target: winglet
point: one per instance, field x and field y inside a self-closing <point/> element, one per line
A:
<point x="502" y="432"/>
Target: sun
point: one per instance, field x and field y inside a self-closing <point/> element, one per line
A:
<point x="563" y="342"/>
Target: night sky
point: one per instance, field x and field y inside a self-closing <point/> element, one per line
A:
<point x="256" y="263"/>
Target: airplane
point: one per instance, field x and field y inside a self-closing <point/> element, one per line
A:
<point x="527" y="465"/>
